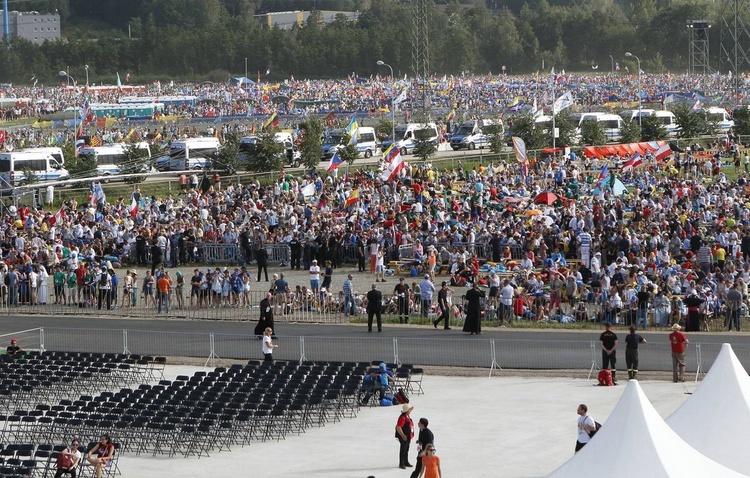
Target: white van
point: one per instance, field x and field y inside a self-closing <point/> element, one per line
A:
<point x="56" y="153"/>
<point x="367" y="143"/>
<point x="193" y="153"/>
<point x="292" y="155"/>
<point x="405" y="134"/>
<point x="14" y="165"/>
<point x="109" y="155"/>
<point x="719" y="118"/>
<point x="471" y="134"/>
<point x="611" y="124"/>
<point x="666" y="118"/>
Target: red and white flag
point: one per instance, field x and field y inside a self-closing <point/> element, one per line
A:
<point x="58" y="217"/>
<point x="633" y="162"/>
<point x="394" y="161"/>
<point x="133" y="208"/>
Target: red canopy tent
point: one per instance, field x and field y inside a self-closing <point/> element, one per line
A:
<point x="659" y="149"/>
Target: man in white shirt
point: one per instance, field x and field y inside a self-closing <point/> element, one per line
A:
<point x="586" y="425"/>
<point x="506" y="302"/>
<point x="315" y="277"/>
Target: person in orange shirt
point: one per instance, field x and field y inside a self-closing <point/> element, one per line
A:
<point x="163" y="286"/>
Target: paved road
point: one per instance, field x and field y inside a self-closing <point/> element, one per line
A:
<point x="530" y="349"/>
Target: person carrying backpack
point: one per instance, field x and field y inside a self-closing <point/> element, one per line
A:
<point x="586" y="425"/>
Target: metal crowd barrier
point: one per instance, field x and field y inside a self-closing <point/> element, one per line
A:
<point x="217" y="253"/>
<point x="481" y="250"/>
<point x="494" y="354"/>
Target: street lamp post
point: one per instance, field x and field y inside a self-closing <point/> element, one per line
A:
<point x="640" y="93"/>
<point x="69" y="78"/>
<point x="393" y="105"/>
<point x="612" y="64"/>
<point x="86" y="67"/>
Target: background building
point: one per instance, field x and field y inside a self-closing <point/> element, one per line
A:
<point x="286" y="20"/>
<point x="34" y="26"/>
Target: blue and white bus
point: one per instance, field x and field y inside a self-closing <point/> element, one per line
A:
<point x="15" y="165"/>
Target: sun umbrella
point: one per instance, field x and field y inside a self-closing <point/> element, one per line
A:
<point x="546" y="220"/>
<point x="547" y="198"/>
<point x="533" y="212"/>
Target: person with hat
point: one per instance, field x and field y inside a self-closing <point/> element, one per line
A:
<point x="404" y="435"/>
<point x="608" y="344"/>
<point x="443" y="306"/>
<point x="678" y="341"/>
<point x="13" y="350"/>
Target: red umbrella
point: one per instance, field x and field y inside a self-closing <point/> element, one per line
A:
<point x="547" y="198"/>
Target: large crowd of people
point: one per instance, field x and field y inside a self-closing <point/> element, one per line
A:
<point x="671" y="245"/>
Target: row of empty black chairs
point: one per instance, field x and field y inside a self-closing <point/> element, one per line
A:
<point x="50" y="376"/>
<point x="197" y="414"/>
<point x="32" y="460"/>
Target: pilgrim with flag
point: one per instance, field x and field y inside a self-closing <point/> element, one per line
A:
<point x="335" y="162"/>
<point x="633" y="162"/>
<point x="394" y="163"/>
<point x="353" y="197"/>
<point x="351" y="130"/>
<point x="271" y="122"/>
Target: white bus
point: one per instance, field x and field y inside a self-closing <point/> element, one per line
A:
<point x="108" y="157"/>
<point x="15" y="165"/>
<point x="193" y="153"/>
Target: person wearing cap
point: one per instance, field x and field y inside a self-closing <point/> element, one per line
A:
<point x="404" y="434"/>
<point x="13" y="350"/>
<point x="374" y="308"/>
<point x="443" y="306"/>
<point x="678" y="341"/>
<point x="69" y="459"/>
<point x="608" y="344"/>
<point x="315" y="278"/>
<point x="426" y="291"/>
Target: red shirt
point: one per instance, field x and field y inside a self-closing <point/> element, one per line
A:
<point x="678" y="341"/>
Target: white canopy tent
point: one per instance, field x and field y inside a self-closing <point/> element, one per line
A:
<point x="715" y="420"/>
<point x="635" y="441"/>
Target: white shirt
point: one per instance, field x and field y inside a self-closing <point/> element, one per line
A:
<point x="267" y="349"/>
<point x="314" y="272"/>
<point x="583" y="435"/>
<point x="506" y="295"/>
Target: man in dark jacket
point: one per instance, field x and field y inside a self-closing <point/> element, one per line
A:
<point x="424" y="438"/>
<point x="261" y="256"/>
<point x="374" y="307"/>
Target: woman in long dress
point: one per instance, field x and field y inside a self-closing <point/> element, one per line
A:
<point x="266" y="316"/>
<point x="43" y="291"/>
<point x="473" y="321"/>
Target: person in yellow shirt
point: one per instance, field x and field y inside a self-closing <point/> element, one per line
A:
<point x="721" y="256"/>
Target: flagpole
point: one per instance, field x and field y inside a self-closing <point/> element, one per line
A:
<point x="553" y="114"/>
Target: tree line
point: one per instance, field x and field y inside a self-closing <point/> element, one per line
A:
<point x="210" y="39"/>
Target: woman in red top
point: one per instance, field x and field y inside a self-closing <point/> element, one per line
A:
<point x="101" y="454"/>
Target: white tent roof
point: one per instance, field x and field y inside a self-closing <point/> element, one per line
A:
<point x="716" y="418"/>
<point x="635" y="441"/>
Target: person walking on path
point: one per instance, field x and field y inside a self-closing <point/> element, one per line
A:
<point x="608" y="344"/>
<point x="404" y="434"/>
<point x="678" y="341"/>
<point x="268" y="345"/>
<point x="425" y="440"/>
<point x="431" y="464"/>
<point x="443" y="306"/>
<point x="374" y="308"/>
<point x="586" y="424"/>
<point x="631" y="352"/>
<point x="473" y="322"/>
<point x="266" y="316"/>
<point x="261" y="259"/>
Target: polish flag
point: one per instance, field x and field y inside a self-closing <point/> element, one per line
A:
<point x="133" y="208"/>
<point x="58" y="217"/>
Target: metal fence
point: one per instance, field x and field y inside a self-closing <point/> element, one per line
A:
<point x="472" y="352"/>
<point x="216" y="253"/>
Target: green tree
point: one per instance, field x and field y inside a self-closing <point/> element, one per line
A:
<point x="691" y="123"/>
<point x="424" y="146"/>
<point x="79" y="166"/>
<point x="630" y="131"/>
<point x="267" y="156"/>
<point x="741" y="116"/>
<point x="384" y="129"/>
<point x="524" y="127"/>
<point x="496" y="137"/>
<point x="229" y="153"/>
<point x="348" y="153"/>
<point x="592" y="133"/>
<point x="135" y="160"/>
<point x="652" y="129"/>
<point x="566" y="130"/>
<point x="311" y="146"/>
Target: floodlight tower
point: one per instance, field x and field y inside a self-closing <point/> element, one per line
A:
<point x="698" y="53"/>
<point x="735" y="40"/>
<point x="420" y="46"/>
